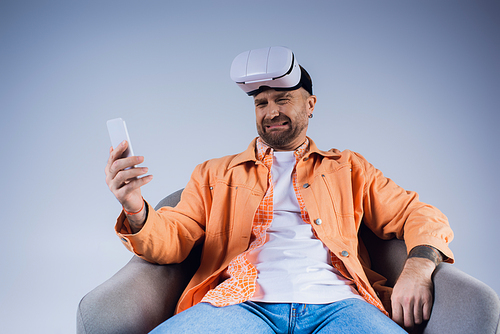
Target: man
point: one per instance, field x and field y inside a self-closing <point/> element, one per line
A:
<point x="278" y="224"/>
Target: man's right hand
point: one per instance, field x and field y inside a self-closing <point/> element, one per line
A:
<point x="126" y="185"/>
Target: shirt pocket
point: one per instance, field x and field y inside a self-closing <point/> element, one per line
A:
<point x="339" y="186"/>
<point x="221" y="216"/>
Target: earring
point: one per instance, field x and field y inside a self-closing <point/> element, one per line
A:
<point x="310" y="116"/>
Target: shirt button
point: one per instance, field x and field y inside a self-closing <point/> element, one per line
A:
<point x="306" y="185"/>
<point x="318" y="221"/>
<point x="344" y="253"/>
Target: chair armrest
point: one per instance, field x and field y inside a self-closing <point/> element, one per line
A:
<point x="140" y="296"/>
<point x="135" y="300"/>
<point x="462" y="304"/>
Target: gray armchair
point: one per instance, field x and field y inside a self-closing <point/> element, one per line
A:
<point x="142" y="295"/>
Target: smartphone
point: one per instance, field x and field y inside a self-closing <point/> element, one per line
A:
<point x="117" y="130"/>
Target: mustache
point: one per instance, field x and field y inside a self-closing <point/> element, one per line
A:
<point x="275" y="121"/>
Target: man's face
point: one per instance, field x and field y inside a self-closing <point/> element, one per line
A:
<point x="282" y="117"/>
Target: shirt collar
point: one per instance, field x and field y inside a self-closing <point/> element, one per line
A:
<point x="263" y="149"/>
<point x="252" y="152"/>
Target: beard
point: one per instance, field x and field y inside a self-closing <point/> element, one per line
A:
<point x="280" y="139"/>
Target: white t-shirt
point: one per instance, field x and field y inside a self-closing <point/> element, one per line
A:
<point x="293" y="265"/>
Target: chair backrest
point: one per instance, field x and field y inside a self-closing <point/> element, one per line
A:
<point x="387" y="256"/>
<point x="171" y="200"/>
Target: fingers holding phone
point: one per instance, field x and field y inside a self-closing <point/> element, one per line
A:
<point x="123" y="178"/>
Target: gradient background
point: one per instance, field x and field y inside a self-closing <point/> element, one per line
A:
<point x="411" y="85"/>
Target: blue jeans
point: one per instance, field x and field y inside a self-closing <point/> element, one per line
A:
<point x="346" y="316"/>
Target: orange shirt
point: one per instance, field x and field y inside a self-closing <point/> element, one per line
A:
<point x="219" y="207"/>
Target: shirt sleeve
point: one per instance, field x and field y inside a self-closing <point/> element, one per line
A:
<point x="170" y="233"/>
<point x="391" y="211"/>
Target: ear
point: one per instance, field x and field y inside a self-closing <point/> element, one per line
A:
<point x="311" y="102"/>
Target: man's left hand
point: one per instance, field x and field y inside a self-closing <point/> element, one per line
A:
<point x="412" y="294"/>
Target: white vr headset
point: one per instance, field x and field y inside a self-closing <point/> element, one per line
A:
<point x="274" y="67"/>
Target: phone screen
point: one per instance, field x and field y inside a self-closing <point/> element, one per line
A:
<point x="117" y="129"/>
